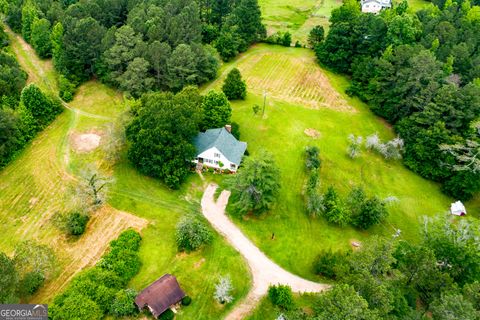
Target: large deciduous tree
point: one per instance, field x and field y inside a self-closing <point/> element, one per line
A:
<point x="161" y="135"/>
<point x="216" y="110"/>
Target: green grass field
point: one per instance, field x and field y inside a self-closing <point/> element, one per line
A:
<point x="40" y="182"/>
<point x="298" y="239"/>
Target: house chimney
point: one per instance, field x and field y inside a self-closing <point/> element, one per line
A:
<point x="228" y="127"/>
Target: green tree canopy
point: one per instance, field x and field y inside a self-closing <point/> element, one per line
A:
<point x="234" y="87"/>
<point x="161" y="135"/>
<point x="256" y="186"/>
<point x="216" y="110"/>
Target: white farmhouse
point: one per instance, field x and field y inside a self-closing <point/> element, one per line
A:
<point x="219" y="149"/>
<point x="458" y="209"/>
<point x="375" y="6"/>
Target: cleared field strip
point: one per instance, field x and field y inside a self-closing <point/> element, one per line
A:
<point x="38" y="184"/>
<point x="104" y="226"/>
<point x="297" y="80"/>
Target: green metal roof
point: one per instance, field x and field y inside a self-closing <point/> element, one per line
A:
<point x="224" y="141"/>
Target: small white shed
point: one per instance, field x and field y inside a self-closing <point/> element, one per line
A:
<point x="458" y="209"/>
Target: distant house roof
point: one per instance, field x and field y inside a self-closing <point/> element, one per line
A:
<point x="384" y="3"/>
<point x="224" y="141"/>
<point x="160" y="295"/>
<point x="458" y="209"/>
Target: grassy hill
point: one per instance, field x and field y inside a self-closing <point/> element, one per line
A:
<point x="42" y="181"/>
<point x="298" y="239"/>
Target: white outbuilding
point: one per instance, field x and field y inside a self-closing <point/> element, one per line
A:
<point x="458" y="209"/>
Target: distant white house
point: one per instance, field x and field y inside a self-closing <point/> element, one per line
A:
<point x="375" y="6"/>
<point x="458" y="209"/>
<point x="219" y="149"/>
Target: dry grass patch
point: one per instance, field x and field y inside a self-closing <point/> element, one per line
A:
<point x="292" y="78"/>
<point x="105" y="225"/>
<point x="312" y="133"/>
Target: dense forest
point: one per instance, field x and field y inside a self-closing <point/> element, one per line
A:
<point x="420" y="71"/>
<point x="136" y="45"/>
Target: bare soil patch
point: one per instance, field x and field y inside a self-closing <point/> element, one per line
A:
<point x="312" y="133"/>
<point x="86" y="142"/>
<point x="355" y="244"/>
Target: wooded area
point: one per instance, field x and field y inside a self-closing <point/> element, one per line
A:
<point x="420" y="71"/>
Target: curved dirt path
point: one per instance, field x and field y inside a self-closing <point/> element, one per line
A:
<point x="264" y="271"/>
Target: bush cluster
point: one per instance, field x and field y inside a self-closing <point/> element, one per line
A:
<point x="281" y="296"/>
<point x="100" y="290"/>
<point x="280" y="38"/>
<point x="358" y="209"/>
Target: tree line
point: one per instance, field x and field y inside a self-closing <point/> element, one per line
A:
<point x="420" y="71"/>
<point x="392" y="278"/>
<point x="136" y="45"/>
<point x="24" y="110"/>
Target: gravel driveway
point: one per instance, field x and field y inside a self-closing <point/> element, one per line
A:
<point x="264" y="271"/>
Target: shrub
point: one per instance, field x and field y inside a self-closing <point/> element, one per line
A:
<point x="372" y="212"/>
<point x="124" y="303"/>
<point x="234" y="87"/>
<point x="186" y="301"/>
<point x="330" y="264"/>
<point x="192" y="233"/>
<point x="76" y="223"/>
<point x="281" y="295"/>
<point x="66" y="88"/>
<point x="30" y="283"/>
<point x="354" y="148"/>
<point x="236" y="130"/>
<point x="223" y="290"/>
<point x="125" y="263"/>
<point x="312" y="158"/>
<point x="167" y="315"/>
<point x="129" y="240"/>
<point x="334" y="211"/>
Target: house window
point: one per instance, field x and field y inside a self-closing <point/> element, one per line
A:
<point x="216" y="162"/>
<point x="216" y="155"/>
<point x="233" y="167"/>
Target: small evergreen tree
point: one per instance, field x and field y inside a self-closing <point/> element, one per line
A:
<point x="372" y="212"/>
<point x="256" y="186"/>
<point x="234" y="87"/>
<point x="334" y="210"/>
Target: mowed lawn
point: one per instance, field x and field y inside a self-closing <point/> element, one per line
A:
<point x="298" y="238"/>
<point x="42" y="181"/>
